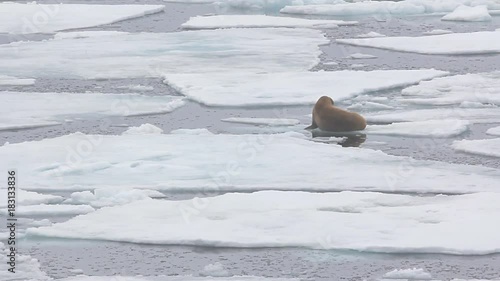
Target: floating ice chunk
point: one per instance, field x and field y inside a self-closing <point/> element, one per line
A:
<point x="51" y="210"/>
<point x="9" y="80"/>
<point x="330" y="63"/>
<point x="357" y="65"/>
<point x="24" y="198"/>
<point x="111" y="197"/>
<point x="194" y="132"/>
<point x="473" y="115"/>
<point x="438" y="32"/>
<point x="256" y="21"/>
<point x="487" y="147"/>
<point x="290" y="88"/>
<point x="129" y="55"/>
<point x="194" y="162"/>
<point x="371" y="34"/>
<point x="171" y="278"/>
<point x="407" y="7"/>
<point x="265" y="5"/>
<point x="483" y="88"/>
<point x="263" y="121"/>
<point x="28" y="110"/>
<point x="494" y="131"/>
<point x="484" y="42"/>
<point x="466" y="13"/>
<point x="361" y="56"/>
<point x="475" y="104"/>
<point x="360" y="221"/>
<point x="144" y="129"/>
<point x="431" y="128"/>
<point x="40" y="18"/>
<point x="26" y="267"/>
<point x="408" y="274"/>
<point x="370" y="106"/>
<point x="140" y="88"/>
<point x="215" y="270"/>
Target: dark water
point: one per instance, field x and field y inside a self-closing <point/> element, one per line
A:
<point x="58" y="257"/>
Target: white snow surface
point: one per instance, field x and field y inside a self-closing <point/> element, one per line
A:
<point x="258" y="21"/>
<point x="408" y="274"/>
<point x="371" y="34"/>
<point x="51" y="210"/>
<point x="430" y="128"/>
<point x="27" y="268"/>
<point x="483" y="88"/>
<point x="361" y="56"/>
<point x="137" y="55"/>
<point x="28" y="110"/>
<point x="111" y="196"/>
<point x="15" y="81"/>
<point x="483" y="42"/>
<point x="361" y="221"/>
<point x="486" y="147"/>
<point x="171" y="278"/>
<point x="495" y="131"/>
<point x="474" y="115"/>
<point x="370" y="8"/>
<point x="144" y="129"/>
<point x="290" y="88"/>
<point x="263" y="121"/>
<point x="188" y="161"/>
<point x="215" y="270"/>
<point x="28" y="18"/>
<point x="24" y="198"/>
<point x="467" y="13"/>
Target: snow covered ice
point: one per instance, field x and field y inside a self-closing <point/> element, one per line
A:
<point x="290" y="88"/>
<point x="30" y="110"/>
<point x="94" y="55"/>
<point x="371" y="8"/>
<point x="47" y="18"/>
<point x="486" y="147"/>
<point x="439" y="224"/>
<point x="255" y="21"/>
<point x="495" y="131"/>
<point x="482" y="42"/>
<point x="9" y="80"/>
<point x="466" y="13"/>
<point x="229" y="163"/>
<point x="409" y="274"/>
<point x="263" y="121"/>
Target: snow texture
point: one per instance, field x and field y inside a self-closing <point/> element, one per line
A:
<point x="486" y="147"/>
<point x="466" y="13"/>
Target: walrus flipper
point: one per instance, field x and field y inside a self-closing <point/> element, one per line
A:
<point x="313" y="126"/>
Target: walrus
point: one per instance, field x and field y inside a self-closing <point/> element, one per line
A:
<point x="328" y="117"/>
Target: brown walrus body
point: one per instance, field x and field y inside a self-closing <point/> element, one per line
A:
<point x="327" y="117"/>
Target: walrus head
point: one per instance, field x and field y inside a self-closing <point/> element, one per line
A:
<point x="326" y="99"/>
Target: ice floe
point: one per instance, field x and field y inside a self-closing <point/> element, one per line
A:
<point x="371" y="34"/>
<point x="47" y="18"/>
<point x="483" y="88"/>
<point x="263" y="121"/>
<point x="111" y="196"/>
<point x="15" y="81"/>
<point x="26" y="267"/>
<point x="129" y="55"/>
<point x="494" y="131"/>
<point x="431" y="128"/>
<point x="197" y="161"/>
<point x="487" y="147"/>
<point x="24" y="197"/>
<point x="144" y="129"/>
<point x="438" y="32"/>
<point x="408" y="274"/>
<point x="258" y="21"/>
<point x="467" y="13"/>
<point x="262" y="5"/>
<point x="290" y="88"/>
<point x="473" y="115"/>
<point x="29" y="110"/>
<point x="484" y="42"/>
<point x="215" y="270"/>
<point x="368" y="105"/>
<point x="171" y="278"/>
<point x="361" y="56"/>
<point x="51" y="210"/>
<point x="372" y="8"/>
<point x="361" y="221"/>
